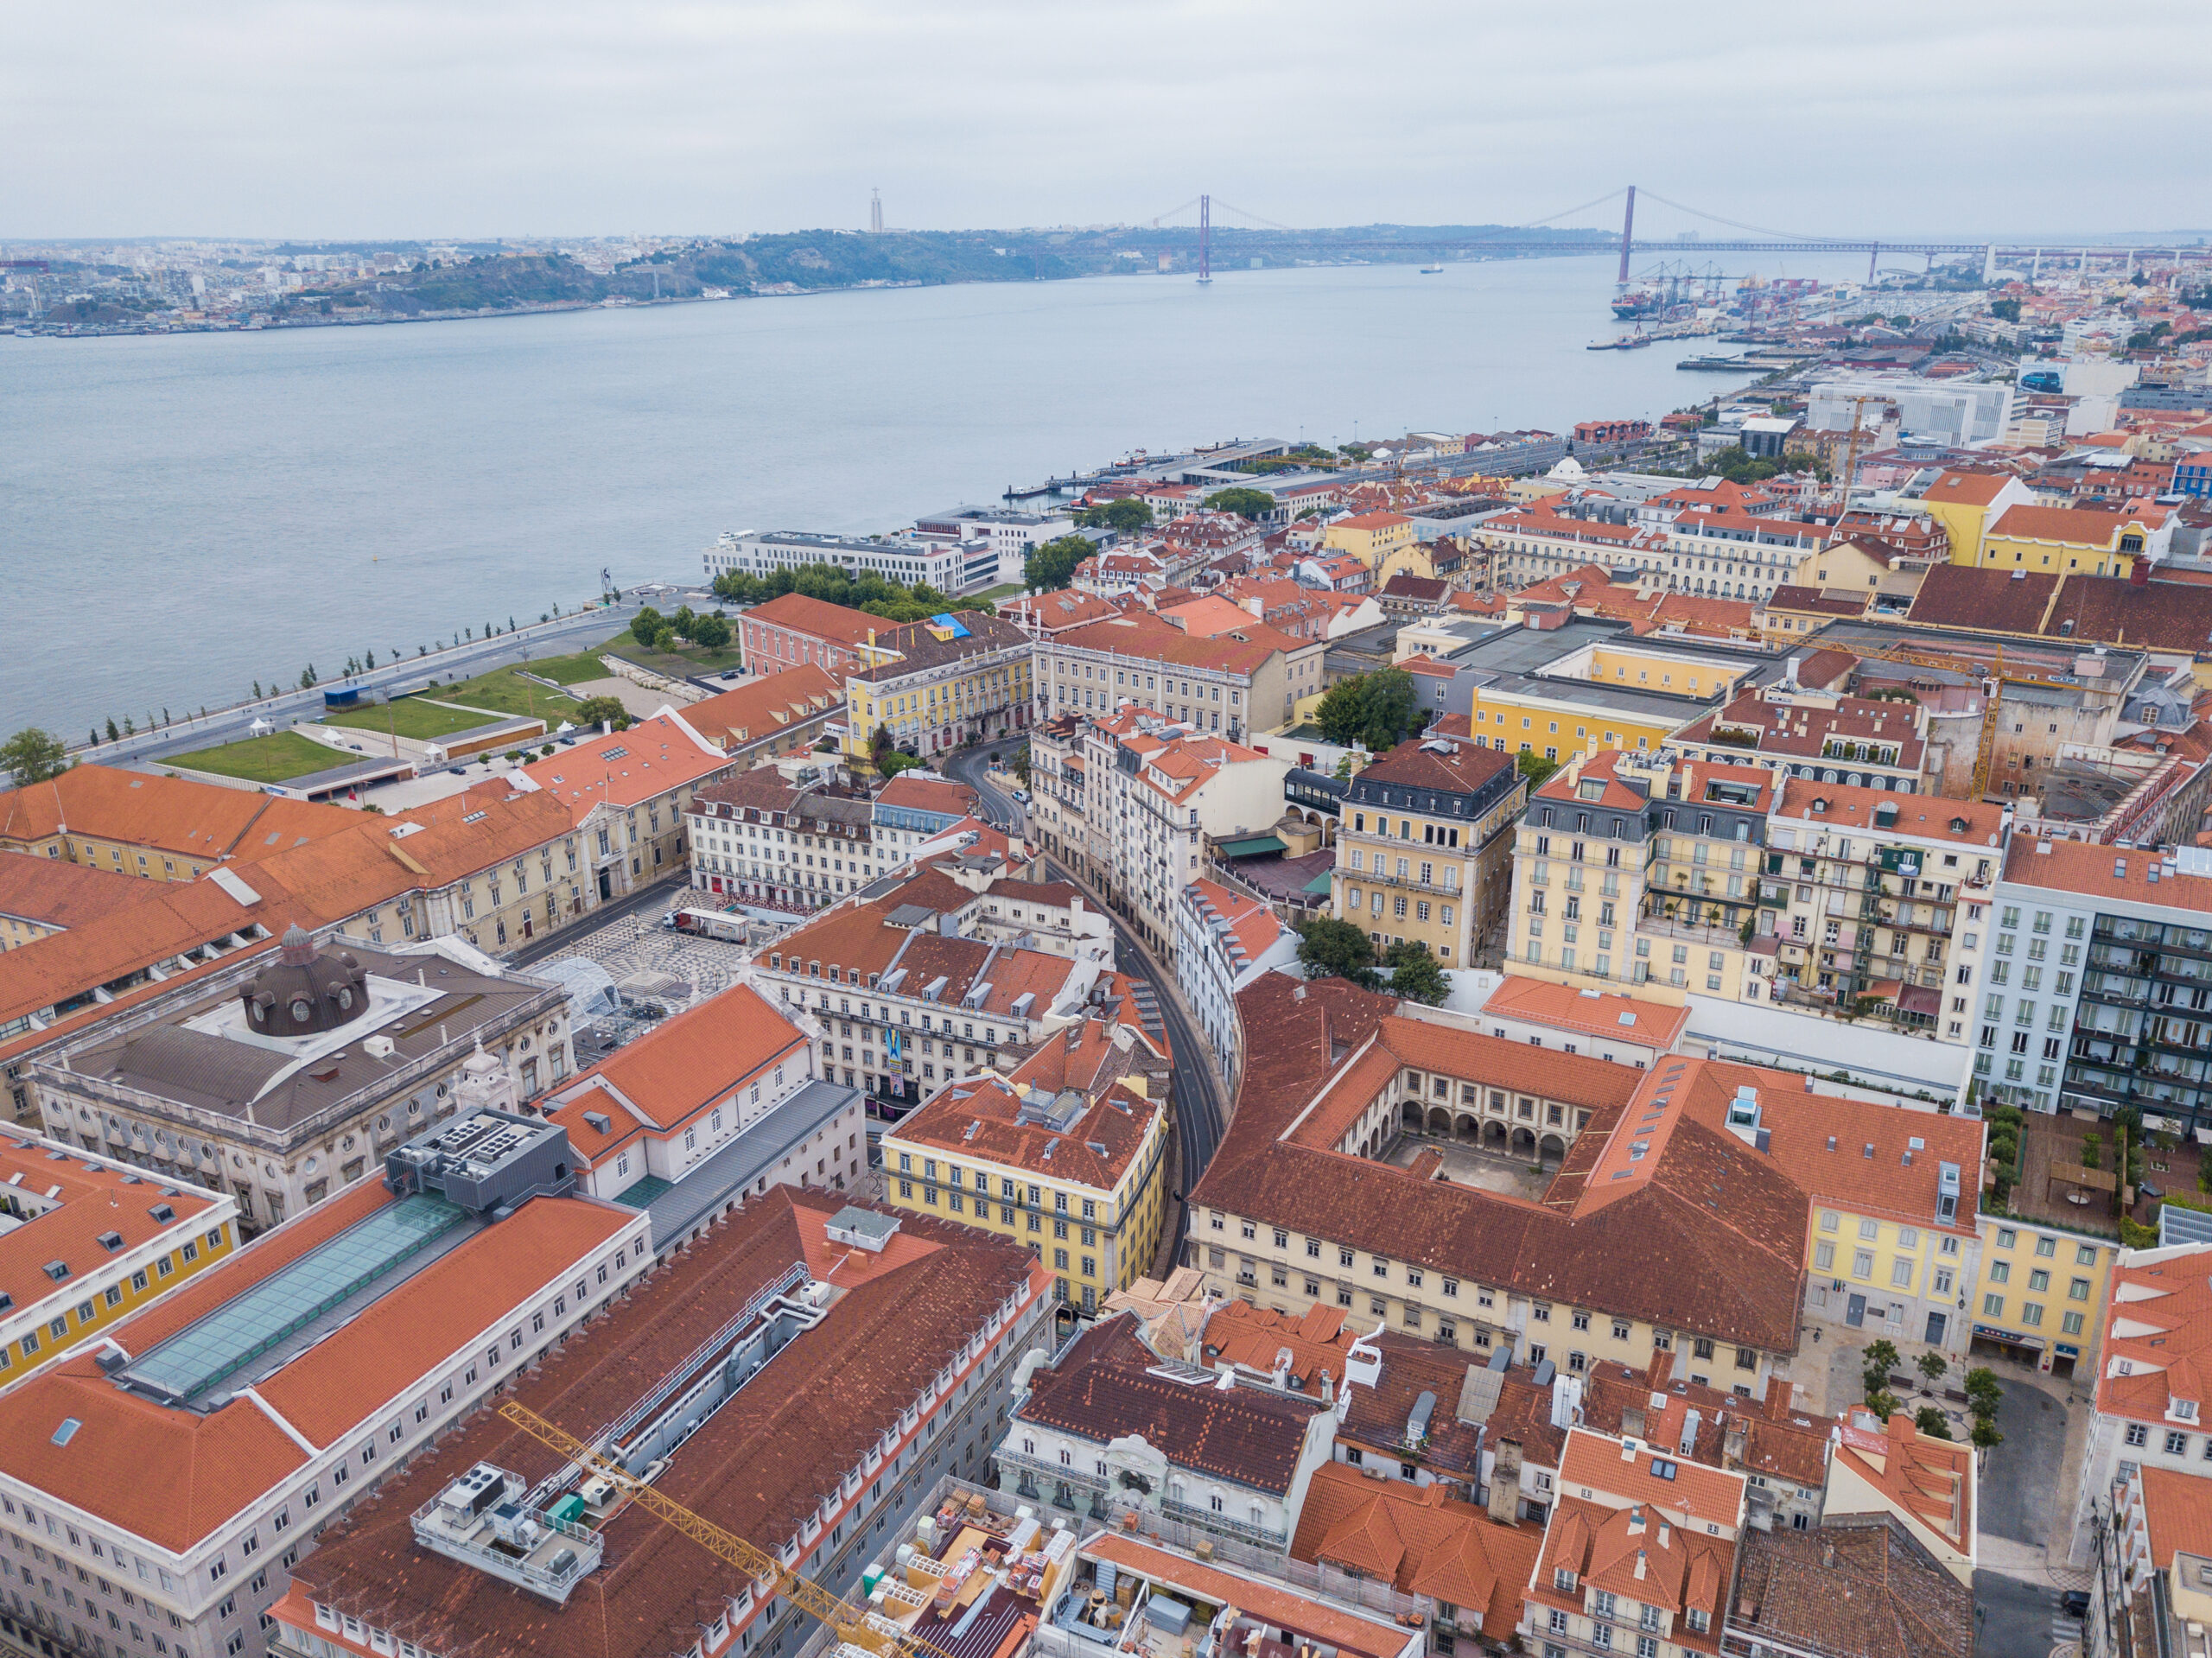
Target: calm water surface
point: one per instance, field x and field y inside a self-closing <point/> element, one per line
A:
<point x="180" y="515"/>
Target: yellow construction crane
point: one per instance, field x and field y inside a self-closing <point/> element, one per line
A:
<point x="1986" y="746"/>
<point x="851" y="1623"/>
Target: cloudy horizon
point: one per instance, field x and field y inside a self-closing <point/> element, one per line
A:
<point x="340" y="120"/>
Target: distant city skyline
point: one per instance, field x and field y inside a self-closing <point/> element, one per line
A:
<point x="487" y="119"/>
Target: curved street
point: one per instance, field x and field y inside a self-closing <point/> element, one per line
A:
<point x="1199" y="1111"/>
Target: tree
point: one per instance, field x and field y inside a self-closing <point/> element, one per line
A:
<point x="1534" y="767"/>
<point x="1253" y="504"/>
<point x="2004" y="310"/>
<point x="1884" y="1403"/>
<point x="1929" y="1420"/>
<point x="1126" y="515"/>
<point x="113" y="735"/>
<point x="1879" y="1359"/>
<point x="1416" y="976"/>
<point x="307" y="677"/>
<point x="1328" y="948"/>
<point x="892" y="764"/>
<point x="1021" y="767"/>
<point x="1051" y="566"/>
<point x="1931" y="1367"/>
<point x="1984" y="1395"/>
<point x="33" y="755"/>
<point x="1985" y="1435"/>
<point x="1373" y="710"/>
<point x="683" y="621"/>
<point x="710" y="633"/>
<point x="593" y="710"/>
<point x="645" y="625"/>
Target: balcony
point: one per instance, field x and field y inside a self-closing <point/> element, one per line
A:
<point x="1207" y="1520"/>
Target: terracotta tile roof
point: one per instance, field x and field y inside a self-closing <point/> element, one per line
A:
<point x="1421" y="1541"/>
<point x="1928" y="1479"/>
<point x="797" y="613"/>
<point x="918" y="646"/>
<point x="2112" y="610"/>
<point x="758" y="1467"/>
<point x="1788" y="597"/>
<point x="89" y="1200"/>
<point x="177" y="815"/>
<point x="1595" y="1467"/>
<point x="2076" y="527"/>
<point x="1256" y="1338"/>
<point x="1868" y="1590"/>
<point x="694" y="1060"/>
<point x="927" y="794"/>
<point x="768" y="708"/>
<point x="1147" y="637"/>
<point x="175" y="1476"/>
<point x="1624" y="1017"/>
<point x="1804" y="730"/>
<point x="1104" y="1388"/>
<point x="1372" y="521"/>
<point x="1376" y="1417"/>
<point x="2178" y="1511"/>
<point x="980" y="1117"/>
<point x="1988" y="600"/>
<point x="2157" y="1346"/>
<point x="1966" y="488"/>
<point x="2094" y="871"/>
<point x="652" y="758"/>
<point x="1463" y="771"/>
<point x="55" y="892"/>
<point x="1963" y="822"/>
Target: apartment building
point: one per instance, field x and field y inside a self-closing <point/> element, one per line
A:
<point x="2036" y="1300"/>
<point x="709" y="1109"/>
<point x="943" y="683"/>
<point x="913" y="990"/>
<point x="282" y="1077"/>
<point x="626" y="794"/>
<point x="804" y="1376"/>
<point x="1799" y="727"/>
<point x="780" y="846"/>
<point x="1881" y="904"/>
<point x="1229" y="1462"/>
<point x="793" y="631"/>
<point x="1072" y="1141"/>
<point x="196" y="1461"/>
<point x="1154" y="794"/>
<point x="1424" y="845"/>
<point x="1235" y="685"/>
<point x="2098" y="993"/>
<point x="1585" y="840"/>
<point x="2156" y="1322"/>
<point x="90" y="1241"/>
<point x="1225" y="939"/>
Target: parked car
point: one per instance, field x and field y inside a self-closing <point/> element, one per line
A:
<point x="2075" y="1602"/>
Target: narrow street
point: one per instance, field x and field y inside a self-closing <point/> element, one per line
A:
<point x="1199" y="1108"/>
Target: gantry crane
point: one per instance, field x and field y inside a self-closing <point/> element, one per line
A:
<point x="852" y="1623"/>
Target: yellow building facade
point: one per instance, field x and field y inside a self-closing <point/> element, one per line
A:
<point x="1095" y="1238"/>
<point x="2036" y="1295"/>
<point x="1371" y="537"/>
<point x="944" y="691"/>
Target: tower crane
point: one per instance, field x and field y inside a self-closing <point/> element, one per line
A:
<point x="1985" y="748"/>
<point x="854" y="1624"/>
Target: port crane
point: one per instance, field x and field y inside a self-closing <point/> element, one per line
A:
<point x="852" y="1623"/>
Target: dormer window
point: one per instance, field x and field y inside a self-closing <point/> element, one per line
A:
<point x="1563" y="1579"/>
<point x="2181" y="1410"/>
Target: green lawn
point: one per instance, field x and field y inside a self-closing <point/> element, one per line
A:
<point x="506" y="691"/>
<point x="411" y="716"/>
<point x="987" y="602"/>
<point x="273" y="759"/>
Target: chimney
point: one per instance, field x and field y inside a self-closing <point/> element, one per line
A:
<point x="1505" y="1483"/>
<point x="1640" y="1566"/>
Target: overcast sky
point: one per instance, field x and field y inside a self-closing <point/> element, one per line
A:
<point x="338" y="118"/>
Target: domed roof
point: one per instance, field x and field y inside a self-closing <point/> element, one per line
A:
<point x="305" y="990"/>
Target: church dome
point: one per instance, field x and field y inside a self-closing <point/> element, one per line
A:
<point x="305" y="991"/>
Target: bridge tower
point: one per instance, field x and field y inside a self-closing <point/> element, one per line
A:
<point x="1206" y="238"/>
<point x="1628" y="234"/>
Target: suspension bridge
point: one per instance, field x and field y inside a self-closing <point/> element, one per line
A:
<point x="1747" y="239"/>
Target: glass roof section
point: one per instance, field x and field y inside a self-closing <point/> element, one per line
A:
<point x="228" y="1339"/>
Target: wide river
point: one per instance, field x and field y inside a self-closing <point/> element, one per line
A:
<point x="183" y="514"/>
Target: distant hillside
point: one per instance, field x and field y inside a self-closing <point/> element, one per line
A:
<point x="808" y="260"/>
